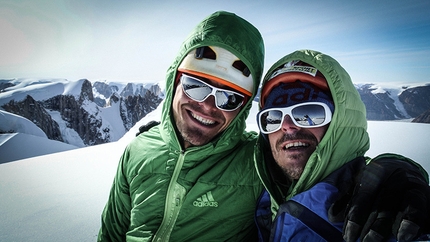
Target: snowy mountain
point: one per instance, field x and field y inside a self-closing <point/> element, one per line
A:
<point x="385" y="101"/>
<point x="60" y="196"/>
<point x="79" y="112"/>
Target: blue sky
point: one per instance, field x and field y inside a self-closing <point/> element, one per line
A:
<point x="375" y="41"/>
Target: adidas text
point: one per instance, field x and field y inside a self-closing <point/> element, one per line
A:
<point x="206" y="200"/>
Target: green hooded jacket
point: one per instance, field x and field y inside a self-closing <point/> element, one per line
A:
<point x="345" y="139"/>
<point x="204" y="193"/>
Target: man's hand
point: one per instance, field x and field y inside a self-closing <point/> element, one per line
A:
<point x="391" y="198"/>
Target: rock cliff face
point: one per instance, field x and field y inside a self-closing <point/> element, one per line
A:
<point x="416" y="100"/>
<point x="72" y="110"/>
<point x="423" y="118"/>
<point x="105" y="90"/>
<point x="379" y="106"/>
<point x="84" y="113"/>
<point x="35" y="112"/>
<point x="133" y="108"/>
<point x="387" y="105"/>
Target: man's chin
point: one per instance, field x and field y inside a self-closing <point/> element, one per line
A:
<point x="293" y="172"/>
<point x="195" y="139"/>
<point x="293" y="164"/>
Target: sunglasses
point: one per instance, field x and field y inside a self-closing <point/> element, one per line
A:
<point x="304" y="115"/>
<point x="199" y="91"/>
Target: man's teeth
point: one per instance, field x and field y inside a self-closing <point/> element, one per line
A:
<point x="202" y="120"/>
<point x="295" y="144"/>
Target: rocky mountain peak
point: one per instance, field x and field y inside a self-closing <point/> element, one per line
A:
<point x="86" y="91"/>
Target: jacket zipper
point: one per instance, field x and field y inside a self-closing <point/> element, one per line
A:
<point x="174" y="198"/>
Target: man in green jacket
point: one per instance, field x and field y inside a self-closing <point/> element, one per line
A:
<point x="192" y="178"/>
<point x="313" y="137"/>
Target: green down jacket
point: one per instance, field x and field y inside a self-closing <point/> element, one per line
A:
<point x="207" y="193"/>
<point x="345" y="139"/>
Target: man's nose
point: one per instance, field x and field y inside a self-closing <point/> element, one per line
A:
<point x="209" y="103"/>
<point x="288" y="125"/>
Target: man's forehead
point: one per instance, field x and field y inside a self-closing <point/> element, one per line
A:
<point x="292" y="93"/>
<point x="297" y="92"/>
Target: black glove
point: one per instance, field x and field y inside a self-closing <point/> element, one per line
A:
<point x="391" y="197"/>
<point x="147" y="126"/>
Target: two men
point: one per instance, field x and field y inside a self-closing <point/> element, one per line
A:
<point x="192" y="177"/>
<point x="311" y="150"/>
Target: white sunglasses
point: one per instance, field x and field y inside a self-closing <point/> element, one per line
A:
<point x="304" y="115"/>
<point x="198" y="90"/>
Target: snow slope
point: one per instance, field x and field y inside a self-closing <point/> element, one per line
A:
<point x="60" y="197"/>
<point x="25" y="135"/>
<point x="17" y="124"/>
<point x="19" y="146"/>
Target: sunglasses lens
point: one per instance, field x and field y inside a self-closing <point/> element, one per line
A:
<point x="309" y="115"/>
<point x="199" y="90"/>
<point x="195" y="89"/>
<point x="270" y="120"/>
<point x="228" y="100"/>
<point x="304" y="115"/>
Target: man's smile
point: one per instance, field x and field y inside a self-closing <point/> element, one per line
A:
<point x="295" y="145"/>
<point x="202" y="120"/>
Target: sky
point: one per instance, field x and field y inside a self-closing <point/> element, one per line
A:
<point x="375" y="41"/>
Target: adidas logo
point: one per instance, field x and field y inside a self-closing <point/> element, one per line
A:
<point x="206" y="200"/>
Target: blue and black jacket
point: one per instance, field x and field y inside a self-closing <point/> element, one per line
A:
<point x="308" y="215"/>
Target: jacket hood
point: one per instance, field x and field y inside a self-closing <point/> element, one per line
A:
<point x="345" y="139"/>
<point x="231" y="32"/>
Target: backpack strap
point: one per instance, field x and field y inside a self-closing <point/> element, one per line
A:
<point x="147" y="126"/>
<point x="312" y="220"/>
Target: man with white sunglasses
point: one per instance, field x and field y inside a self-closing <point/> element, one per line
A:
<point x="311" y="153"/>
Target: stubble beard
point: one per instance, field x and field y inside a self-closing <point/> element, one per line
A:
<point x="191" y="135"/>
<point x="294" y="170"/>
